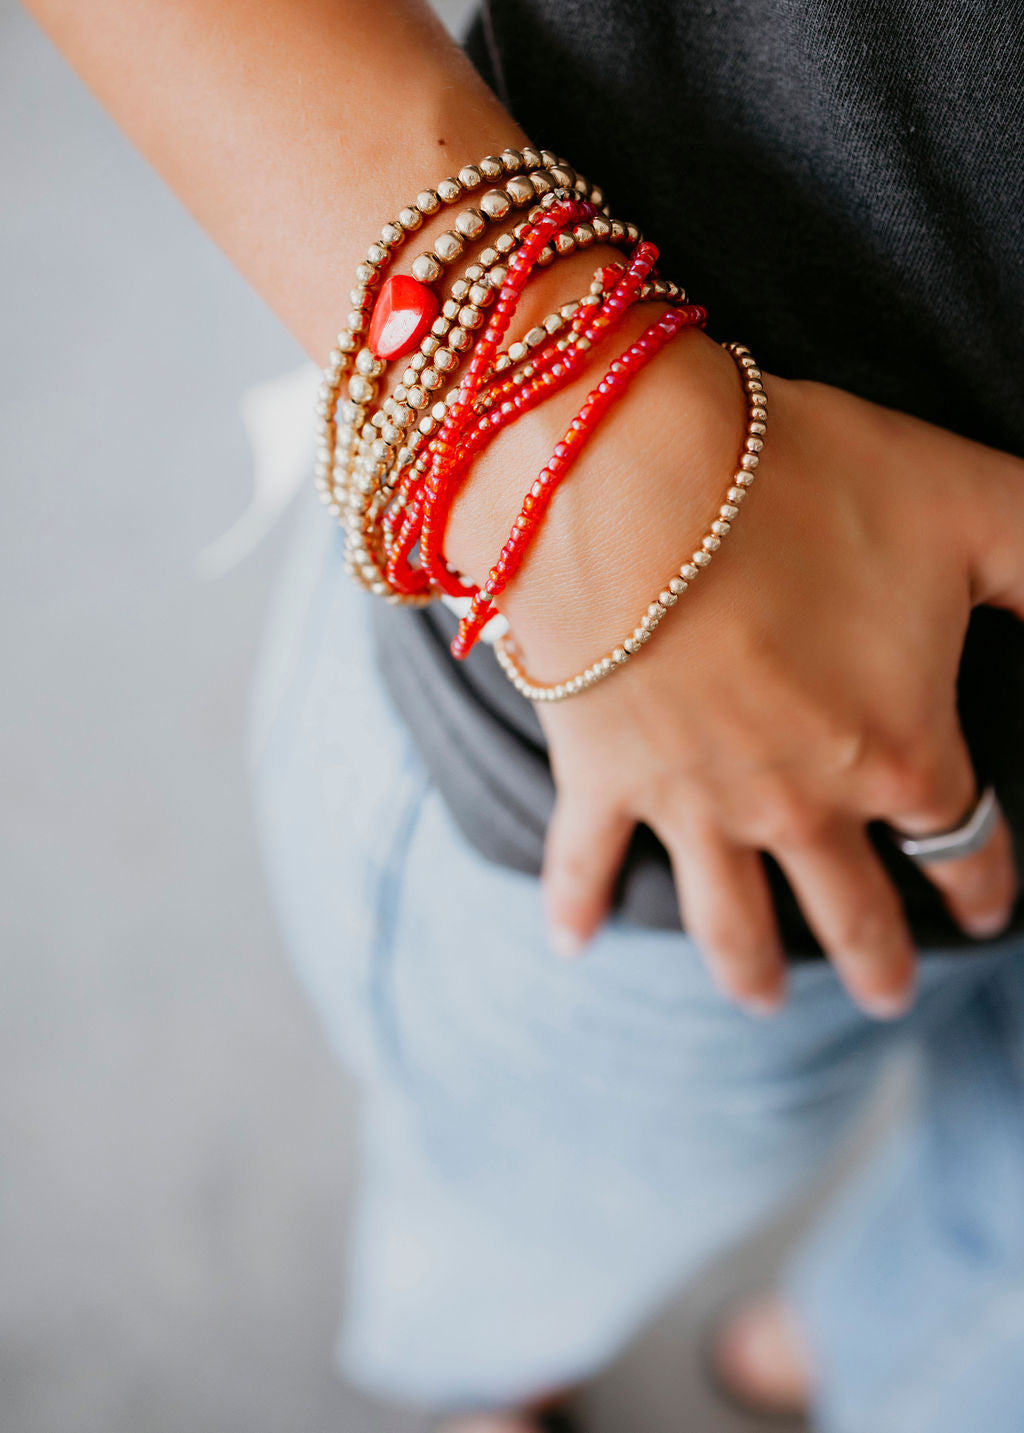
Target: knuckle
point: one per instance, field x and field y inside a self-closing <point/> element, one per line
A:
<point x="567" y="867"/>
<point x="848" y="753"/>
<point x="871" y="929"/>
<point x="741" y="953"/>
<point x="905" y="782"/>
<point x="789" y="821"/>
<point x="919" y="724"/>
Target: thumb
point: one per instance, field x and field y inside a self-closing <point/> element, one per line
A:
<point x="583" y="853"/>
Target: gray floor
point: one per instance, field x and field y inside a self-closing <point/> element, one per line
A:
<point x="175" y="1141"/>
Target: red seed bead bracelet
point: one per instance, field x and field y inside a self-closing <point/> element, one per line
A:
<point x="535" y="503"/>
<point x="398" y="312"/>
<point x="372" y="471"/>
<point x="458" y="414"/>
<point x="685" y="575"/>
<point x="391" y="473"/>
<point x="450" y="452"/>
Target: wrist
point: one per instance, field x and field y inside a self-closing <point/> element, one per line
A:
<point x="492" y="494"/>
<point x="620" y="524"/>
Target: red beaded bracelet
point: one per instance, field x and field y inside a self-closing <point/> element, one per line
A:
<point x="451" y="450"/>
<point x="392" y="473"/>
<point x="535" y="503"/>
<point x="554" y="369"/>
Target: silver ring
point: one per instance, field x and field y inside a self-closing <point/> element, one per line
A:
<point x="963" y="840"/>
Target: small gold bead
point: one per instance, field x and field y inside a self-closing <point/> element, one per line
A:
<point x="426" y="268"/>
<point x="520" y="191"/>
<point x="470" y="223"/>
<point x="495" y="203"/>
<point x="448" y="247"/>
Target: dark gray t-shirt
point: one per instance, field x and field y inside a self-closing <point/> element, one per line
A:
<point x="841" y="184"/>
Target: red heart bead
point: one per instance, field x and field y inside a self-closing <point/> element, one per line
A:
<point x="402" y="316"/>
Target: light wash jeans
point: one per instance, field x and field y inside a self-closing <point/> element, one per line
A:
<point x="549" y="1149"/>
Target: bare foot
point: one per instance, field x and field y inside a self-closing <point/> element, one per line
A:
<point x="761" y="1358"/>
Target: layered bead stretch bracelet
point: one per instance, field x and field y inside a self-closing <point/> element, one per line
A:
<point x="390" y="464"/>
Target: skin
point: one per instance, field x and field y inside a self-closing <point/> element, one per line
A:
<point x="745" y="726"/>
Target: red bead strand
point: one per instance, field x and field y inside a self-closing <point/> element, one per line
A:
<point x="535" y="504"/>
<point x="557" y="368"/>
<point x="485" y="403"/>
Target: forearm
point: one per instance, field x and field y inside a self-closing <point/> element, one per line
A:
<point x="292" y="129"/>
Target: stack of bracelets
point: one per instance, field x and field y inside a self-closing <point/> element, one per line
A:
<point x="390" y="468"/>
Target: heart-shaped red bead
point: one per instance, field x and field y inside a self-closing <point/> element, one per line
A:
<point x="402" y="316"/>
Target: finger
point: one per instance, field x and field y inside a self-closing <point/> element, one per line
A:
<point x="853" y="909"/>
<point x="583" y="853"/>
<point x="727" y="909"/>
<point x="979" y="889"/>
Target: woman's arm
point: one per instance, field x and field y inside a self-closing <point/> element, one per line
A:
<point x="292" y="129"/>
<point x="807" y="686"/>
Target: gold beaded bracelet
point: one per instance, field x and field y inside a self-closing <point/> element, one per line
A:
<point x="355" y="461"/>
<point x="681" y="580"/>
<point x="385" y="445"/>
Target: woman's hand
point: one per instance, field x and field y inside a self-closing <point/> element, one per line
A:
<point x="804" y="686"/>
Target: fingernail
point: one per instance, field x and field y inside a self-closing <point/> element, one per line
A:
<point x="762" y="1006"/>
<point x="566" y="943"/>
<point x="986" y="926"/>
<point x="887" y="1006"/>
